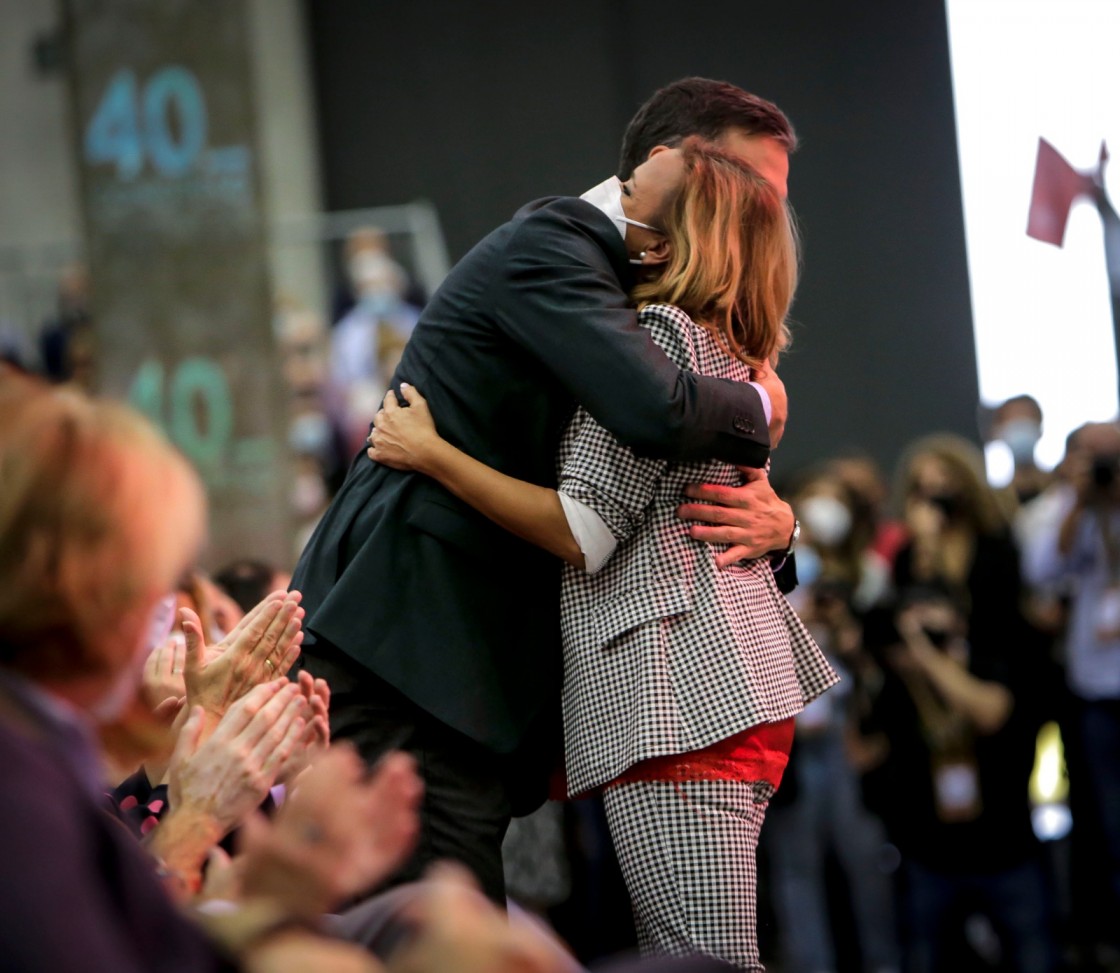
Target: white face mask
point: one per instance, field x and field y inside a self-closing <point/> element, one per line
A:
<point x="309" y="434"/>
<point x="827" y="520"/>
<point x="117" y="697"/>
<point x="162" y="621"/>
<point x="607" y="196"/>
<point x="112" y="704"/>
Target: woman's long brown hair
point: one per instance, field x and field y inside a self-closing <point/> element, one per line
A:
<point x="733" y="260"/>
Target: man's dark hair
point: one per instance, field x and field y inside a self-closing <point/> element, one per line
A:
<point x="699" y="106"/>
<point x="1024" y="400"/>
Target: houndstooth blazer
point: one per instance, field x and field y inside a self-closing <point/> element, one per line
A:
<point x="663" y="651"/>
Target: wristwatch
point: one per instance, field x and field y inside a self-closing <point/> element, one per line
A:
<point x="794" y="537"/>
<point x="792" y="544"/>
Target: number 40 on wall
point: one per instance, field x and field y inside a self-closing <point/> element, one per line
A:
<point x="162" y="121"/>
<point x="195" y="406"/>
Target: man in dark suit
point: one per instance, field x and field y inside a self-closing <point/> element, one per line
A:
<point x="438" y="632"/>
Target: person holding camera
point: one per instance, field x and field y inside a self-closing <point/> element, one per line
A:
<point x="959" y="536"/>
<point x="954" y="726"/>
<point x="955" y="710"/>
<point x="1080" y="547"/>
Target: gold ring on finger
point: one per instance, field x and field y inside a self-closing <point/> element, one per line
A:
<point x="271" y="665"/>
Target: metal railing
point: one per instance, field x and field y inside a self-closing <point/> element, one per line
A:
<point x="29" y="274"/>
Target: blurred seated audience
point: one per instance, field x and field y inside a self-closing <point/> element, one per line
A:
<point x="315" y="436"/>
<point x="217" y="612"/>
<point x="367" y="239"/>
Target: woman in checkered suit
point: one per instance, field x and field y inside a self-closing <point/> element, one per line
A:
<point x="681" y="678"/>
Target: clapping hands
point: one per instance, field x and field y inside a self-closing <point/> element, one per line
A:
<point x="262" y="646"/>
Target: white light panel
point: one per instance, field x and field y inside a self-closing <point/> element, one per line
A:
<point x="1043" y="321"/>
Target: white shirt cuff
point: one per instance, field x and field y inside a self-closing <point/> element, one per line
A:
<point x="592" y="535"/>
<point x="765" y="396"/>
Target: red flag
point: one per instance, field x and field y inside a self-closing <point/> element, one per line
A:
<point x="1056" y="185"/>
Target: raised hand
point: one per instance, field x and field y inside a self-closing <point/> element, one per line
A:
<point x="262" y="646"/>
<point x="163" y="671"/>
<point x="227" y="775"/>
<point x="316" y="735"/>
<point x="339" y="833"/>
<point x="216" y="783"/>
<point x="458" y="928"/>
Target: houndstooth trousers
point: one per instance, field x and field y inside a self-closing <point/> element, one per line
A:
<point x="687" y="851"/>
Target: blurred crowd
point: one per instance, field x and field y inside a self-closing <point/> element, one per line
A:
<point x="953" y="805"/>
<point x="336" y="375"/>
<point x="335" y="368"/>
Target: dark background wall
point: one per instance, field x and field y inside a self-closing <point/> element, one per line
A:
<point x="482" y="107"/>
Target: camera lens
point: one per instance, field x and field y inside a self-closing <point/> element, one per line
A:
<point x="1104" y="471"/>
<point x="939" y="638"/>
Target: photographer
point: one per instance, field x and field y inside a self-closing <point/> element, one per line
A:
<point x="957" y="708"/>
<point x="955" y="726"/>
<point x="1080" y="546"/>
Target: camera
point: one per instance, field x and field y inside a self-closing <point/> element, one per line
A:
<point x="948" y="503"/>
<point x="938" y="637"/>
<point x="1105" y="471"/>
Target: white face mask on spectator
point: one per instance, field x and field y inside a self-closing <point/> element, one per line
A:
<point x="828" y="521"/>
<point x="126" y="682"/>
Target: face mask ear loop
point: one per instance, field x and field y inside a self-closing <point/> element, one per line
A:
<point x="644" y="226"/>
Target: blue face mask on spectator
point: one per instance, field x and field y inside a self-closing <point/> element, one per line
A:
<point x="379" y="303"/>
<point x="309" y="434"/>
<point x="1021" y="437"/>
<point x="808" y="566"/>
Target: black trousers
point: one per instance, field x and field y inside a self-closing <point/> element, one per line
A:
<point x="466" y="806"/>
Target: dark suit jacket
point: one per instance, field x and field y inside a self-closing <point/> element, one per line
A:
<point x="456" y="613"/>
